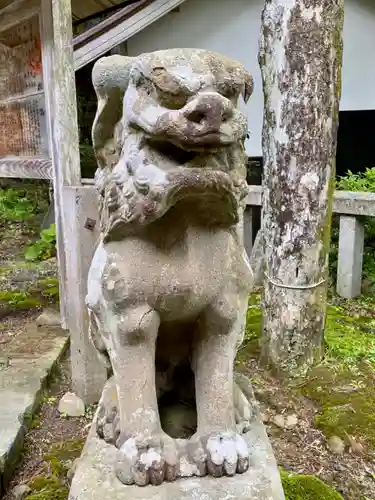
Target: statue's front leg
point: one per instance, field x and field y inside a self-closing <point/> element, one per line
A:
<point x="146" y="454"/>
<point x="217" y="441"/>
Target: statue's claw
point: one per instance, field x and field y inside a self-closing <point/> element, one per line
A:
<point x="144" y="461"/>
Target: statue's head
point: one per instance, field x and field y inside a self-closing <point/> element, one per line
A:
<point x="187" y="97"/>
<point x="161" y="116"/>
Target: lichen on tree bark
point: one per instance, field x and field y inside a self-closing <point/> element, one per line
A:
<point x="300" y="58"/>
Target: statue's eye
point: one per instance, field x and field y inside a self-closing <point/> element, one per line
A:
<point x="171" y="94"/>
<point x="171" y="100"/>
<point x="229" y="91"/>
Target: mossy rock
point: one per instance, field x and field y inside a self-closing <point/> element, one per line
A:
<point x="303" y="487"/>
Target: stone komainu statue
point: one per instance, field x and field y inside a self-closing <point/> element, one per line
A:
<point x="169" y="282"/>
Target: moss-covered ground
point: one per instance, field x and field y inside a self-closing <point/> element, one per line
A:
<point x="51" y="483"/>
<point x="306" y="487"/>
<point x="338" y="395"/>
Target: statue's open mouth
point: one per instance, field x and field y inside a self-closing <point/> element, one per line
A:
<point x="207" y="145"/>
<point x="173" y="152"/>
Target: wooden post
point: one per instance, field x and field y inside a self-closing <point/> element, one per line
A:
<point x="300" y="59"/>
<point x="88" y="376"/>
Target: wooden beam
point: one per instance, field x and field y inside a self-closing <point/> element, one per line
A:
<point x="17" y="12"/>
<point x="344" y="202"/>
<point x="123" y="31"/>
<point x="110" y="22"/>
<point x="26" y="168"/>
<point x="59" y="79"/>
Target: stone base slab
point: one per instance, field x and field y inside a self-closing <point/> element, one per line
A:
<point x="95" y="479"/>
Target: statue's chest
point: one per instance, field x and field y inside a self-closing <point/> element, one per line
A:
<point x="181" y="278"/>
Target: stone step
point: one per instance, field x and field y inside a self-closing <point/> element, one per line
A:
<point x="25" y="364"/>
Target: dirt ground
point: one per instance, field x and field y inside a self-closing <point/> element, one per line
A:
<point x="301" y="449"/>
<point x="15" y="323"/>
<point x="48" y="430"/>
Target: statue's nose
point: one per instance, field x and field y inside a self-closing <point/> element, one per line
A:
<point x="210" y="111"/>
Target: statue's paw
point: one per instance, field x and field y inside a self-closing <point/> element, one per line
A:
<point x="225" y="454"/>
<point x="108" y="424"/>
<point x="142" y="461"/>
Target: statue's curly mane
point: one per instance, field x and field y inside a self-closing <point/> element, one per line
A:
<point x="128" y="202"/>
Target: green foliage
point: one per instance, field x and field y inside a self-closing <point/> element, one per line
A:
<point x="45" y="247"/>
<point x="49" y="288"/>
<point x="22" y="203"/>
<point x="301" y="487"/>
<point x="19" y="300"/>
<point x="253" y="318"/>
<point x="14" y="207"/>
<point x="87" y="159"/>
<point x="250" y="347"/>
<point x="86" y="104"/>
<point x="365" y="182"/>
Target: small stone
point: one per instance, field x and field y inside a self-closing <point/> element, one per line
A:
<point x="49" y="317"/>
<point x="71" y="405"/>
<point x="355" y="446"/>
<point x="265" y="418"/>
<point x="336" y="445"/>
<point x="279" y="421"/>
<point x="72" y="470"/>
<point x="367" y="286"/>
<point x="291" y="421"/>
<point x="20" y="492"/>
<point x="4" y="363"/>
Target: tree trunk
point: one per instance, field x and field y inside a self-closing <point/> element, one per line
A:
<point x="300" y="59"/>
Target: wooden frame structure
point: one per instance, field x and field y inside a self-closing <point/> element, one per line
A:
<point x="74" y="203"/>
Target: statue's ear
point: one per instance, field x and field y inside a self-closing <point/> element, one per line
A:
<point x="248" y="86"/>
<point x="110" y="78"/>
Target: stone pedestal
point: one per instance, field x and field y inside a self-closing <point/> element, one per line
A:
<point x="95" y="479"/>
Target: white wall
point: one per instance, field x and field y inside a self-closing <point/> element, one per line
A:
<point x="232" y="27"/>
<point x="358" y="85"/>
